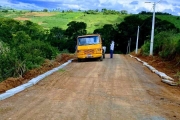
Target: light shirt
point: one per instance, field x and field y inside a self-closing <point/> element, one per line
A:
<point x="112" y="46"/>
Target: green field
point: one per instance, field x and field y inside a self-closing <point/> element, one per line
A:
<point x="59" y="19"/>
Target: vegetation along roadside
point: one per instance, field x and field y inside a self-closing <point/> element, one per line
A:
<point x="26" y="44"/>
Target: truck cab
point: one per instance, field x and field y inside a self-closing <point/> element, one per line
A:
<point x="90" y="46"/>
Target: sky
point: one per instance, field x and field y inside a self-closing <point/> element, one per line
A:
<point x="131" y="6"/>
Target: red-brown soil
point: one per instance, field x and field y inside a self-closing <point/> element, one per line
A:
<point x="113" y="89"/>
<point x="48" y="65"/>
<point x="160" y="64"/>
<point x="168" y="67"/>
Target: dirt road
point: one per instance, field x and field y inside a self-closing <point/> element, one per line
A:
<point x="115" y="89"/>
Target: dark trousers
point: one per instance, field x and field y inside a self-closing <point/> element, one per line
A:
<point x="111" y="53"/>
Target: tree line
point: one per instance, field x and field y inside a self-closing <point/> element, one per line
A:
<point x="122" y="32"/>
<point x="106" y="12"/>
<point x="25" y="45"/>
<point x="150" y="13"/>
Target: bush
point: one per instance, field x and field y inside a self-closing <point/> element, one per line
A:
<point x="7" y="65"/>
<point x="145" y="48"/>
<point x="22" y="47"/>
<point x="64" y="51"/>
<point x="166" y="44"/>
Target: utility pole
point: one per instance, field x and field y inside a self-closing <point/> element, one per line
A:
<point x="152" y="32"/>
<point x="137" y="40"/>
<point x="128" y="46"/>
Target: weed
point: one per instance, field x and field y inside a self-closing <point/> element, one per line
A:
<point x="178" y="76"/>
<point x="62" y="70"/>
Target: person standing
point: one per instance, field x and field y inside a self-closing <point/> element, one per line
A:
<point x="111" y="49"/>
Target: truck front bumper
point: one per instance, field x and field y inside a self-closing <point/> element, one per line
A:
<point x="89" y="56"/>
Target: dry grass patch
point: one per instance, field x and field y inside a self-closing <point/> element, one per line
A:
<point x="21" y="18"/>
<point x="39" y="14"/>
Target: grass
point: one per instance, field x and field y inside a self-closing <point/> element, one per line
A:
<point x="59" y="19"/>
<point x="178" y="76"/>
<point x="62" y="70"/>
<point x="93" y="21"/>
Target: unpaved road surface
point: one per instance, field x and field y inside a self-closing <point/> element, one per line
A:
<point x="115" y="89"/>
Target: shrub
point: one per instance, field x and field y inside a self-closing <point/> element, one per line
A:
<point x="166" y="44"/>
<point x="145" y="48"/>
<point x="7" y="64"/>
<point x="64" y="51"/>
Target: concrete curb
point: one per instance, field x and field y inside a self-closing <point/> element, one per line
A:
<point x="172" y="83"/>
<point x="166" y="79"/>
<point x="32" y="82"/>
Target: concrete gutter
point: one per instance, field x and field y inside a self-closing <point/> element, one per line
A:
<point x="166" y="79"/>
<point x="30" y="83"/>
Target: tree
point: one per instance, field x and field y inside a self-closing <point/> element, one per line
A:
<point x="107" y="33"/>
<point x="74" y="29"/>
<point x="127" y="30"/>
<point x="23" y="47"/>
<point x="7" y="28"/>
<point x="45" y="10"/>
<point x="56" y="37"/>
<point x="34" y="30"/>
<point x="124" y="12"/>
<point x="104" y="10"/>
<point x="97" y="10"/>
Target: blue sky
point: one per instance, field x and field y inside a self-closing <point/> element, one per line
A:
<point x="132" y="6"/>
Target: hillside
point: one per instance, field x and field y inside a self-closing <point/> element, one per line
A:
<point x="170" y="18"/>
<point x="23" y="38"/>
<point x="59" y="19"/>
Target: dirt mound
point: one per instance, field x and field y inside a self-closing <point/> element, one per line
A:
<point x="48" y="65"/>
<point x="168" y="67"/>
<point x="10" y="83"/>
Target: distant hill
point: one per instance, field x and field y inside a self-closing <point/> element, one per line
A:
<point x="170" y="18"/>
<point x="59" y="19"/>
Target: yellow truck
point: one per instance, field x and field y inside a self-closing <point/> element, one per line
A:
<point x="90" y="46"/>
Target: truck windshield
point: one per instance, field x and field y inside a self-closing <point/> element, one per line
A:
<point x="88" y="40"/>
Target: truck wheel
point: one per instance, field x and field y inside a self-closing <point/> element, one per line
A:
<point x="79" y="60"/>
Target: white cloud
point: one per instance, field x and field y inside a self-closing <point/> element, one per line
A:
<point x="71" y="6"/>
<point x="132" y="6"/>
<point x="162" y="7"/>
<point x="20" y="5"/>
<point x="173" y="1"/>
